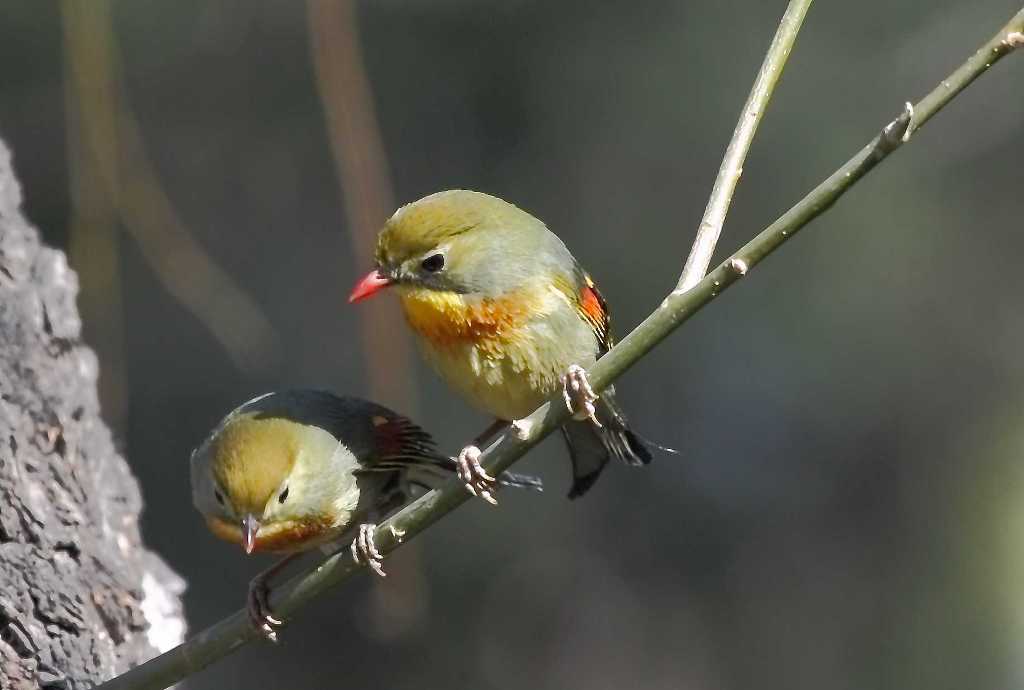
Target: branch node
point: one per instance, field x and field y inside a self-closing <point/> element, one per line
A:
<point x="1014" y="40"/>
<point x="397" y="533"/>
<point x="899" y="130"/>
<point x="739" y="266"/>
<point x="522" y="428"/>
<point x="908" y="115"/>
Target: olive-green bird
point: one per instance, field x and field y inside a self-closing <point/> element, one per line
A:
<point x="293" y="470"/>
<point x="508" y="318"/>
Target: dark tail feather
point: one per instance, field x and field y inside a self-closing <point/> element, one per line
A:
<point x="520" y="481"/>
<point x="588" y="455"/>
<point x="590" y="447"/>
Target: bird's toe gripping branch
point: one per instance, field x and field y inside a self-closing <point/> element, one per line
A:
<point x="365" y="551"/>
<point x="258" y="606"/>
<point x="473" y="475"/>
<point x="578" y="395"/>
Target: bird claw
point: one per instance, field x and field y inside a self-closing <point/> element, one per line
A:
<point x="473" y="475"/>
<point x="578" y="395"/>
<point x="258" y="606"/>
<point x="365" y="551"/>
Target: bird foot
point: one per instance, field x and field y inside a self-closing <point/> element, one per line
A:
<point x="258" y="606"/>
<point x="578" y="395"/>
<point x="365" y="551"/>
<point x="473" y="475"/>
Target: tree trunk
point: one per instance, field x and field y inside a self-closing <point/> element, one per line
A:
<point x="80" y="598"/>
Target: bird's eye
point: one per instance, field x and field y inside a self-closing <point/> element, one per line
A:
<point x="433" y="263"/>
<point x="284" y="496"/>
<point x="219" y="496"/>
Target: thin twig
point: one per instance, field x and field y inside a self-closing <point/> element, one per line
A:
<point x="114" y="139"/>
<point x="729" y="173"/>
<point x="361" y="161"/>
<point x="364" y="182"/>
<point x="231" y="633"/>
<point x="94" y="247"/>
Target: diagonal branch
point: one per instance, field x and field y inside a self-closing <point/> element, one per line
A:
<point x="710" y="227"/>
<point x="231" y="633"/>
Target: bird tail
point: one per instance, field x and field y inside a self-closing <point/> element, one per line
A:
<point x="520" y="481"/>
<point x="590" y="446"/>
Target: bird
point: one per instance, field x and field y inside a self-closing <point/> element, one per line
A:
<point x="507" y="317"/>
<point x="293" y="470"/>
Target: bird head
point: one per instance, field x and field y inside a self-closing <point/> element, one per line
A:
<point x="266" y="483"/>
<point x="457" y="242"/>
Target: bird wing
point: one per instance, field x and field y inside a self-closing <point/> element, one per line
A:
<point x="408" y="451"/>
<point x="593" y="309"/>
<point x="400" y="444"/>
<point x="380" y="439"/>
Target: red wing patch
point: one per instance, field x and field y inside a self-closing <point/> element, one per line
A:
<point x="595" y="310"/>
<point x="388" y="436"/>
<point x="591" y="304"/>
<point x="399" y="440"/>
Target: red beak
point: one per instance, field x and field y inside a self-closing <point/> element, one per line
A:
<point x="369" y="285"/>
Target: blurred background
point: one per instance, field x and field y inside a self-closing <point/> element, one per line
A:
<point x="847" y="510"/>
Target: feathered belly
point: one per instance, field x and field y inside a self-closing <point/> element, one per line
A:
<point x="502" y="356"/>
<point x="499" y="381"/>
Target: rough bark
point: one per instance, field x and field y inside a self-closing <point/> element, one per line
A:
<point x="81" y="600"/>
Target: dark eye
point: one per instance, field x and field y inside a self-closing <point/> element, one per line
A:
<point x="284" y="496"/>
<point x="433" y="263"/>
<point x="219" y="496"/>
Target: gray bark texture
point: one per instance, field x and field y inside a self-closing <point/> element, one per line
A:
<point x="80" y="598"/>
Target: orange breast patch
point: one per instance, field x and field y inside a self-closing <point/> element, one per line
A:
<point x="293" y="536"/>
<point x="447" y="319"/>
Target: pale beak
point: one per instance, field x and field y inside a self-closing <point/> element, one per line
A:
<point x="369" y="285"/>
<point x="250" y="526"/>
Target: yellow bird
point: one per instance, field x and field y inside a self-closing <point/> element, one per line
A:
<point x="507" y="316"/>
<point x="294" y="470"/>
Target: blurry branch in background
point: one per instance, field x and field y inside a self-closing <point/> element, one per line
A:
<point x="231" y="633"/>
<point x="365" y="184"/>
<point x="94" y="245"/>
<point x="729" y="173"/>
<point x="368" y="197"/>
<point x="110" y="137"/>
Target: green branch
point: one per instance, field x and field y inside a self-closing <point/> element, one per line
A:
<point x="231" y="633"/>
<point x="729" y="173"/>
